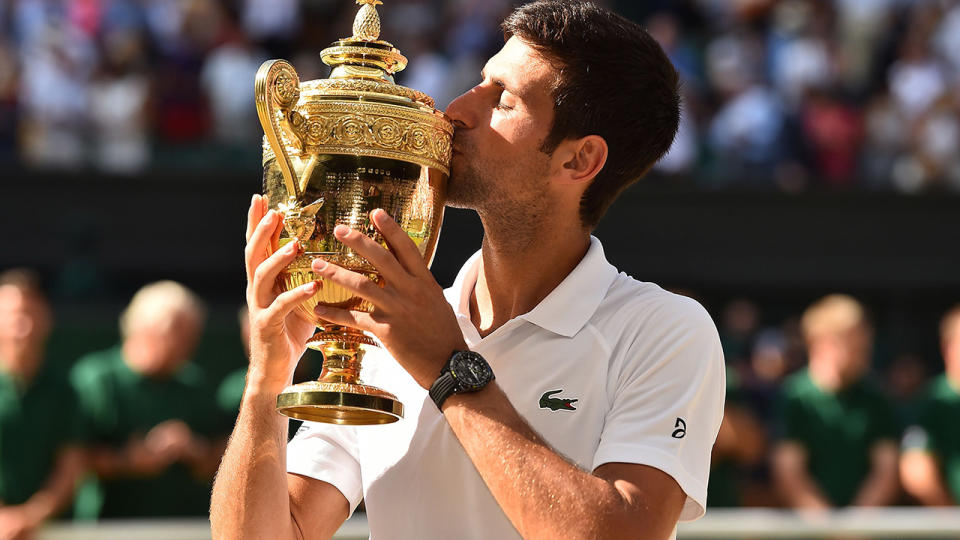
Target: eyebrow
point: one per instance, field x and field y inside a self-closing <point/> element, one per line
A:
<point x="497" y="81"/>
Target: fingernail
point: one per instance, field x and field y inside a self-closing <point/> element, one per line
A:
<point x="310" y="287"/>
<point x="320" y="309"/>
<point x="292" y="247"/>
<point x="341" y="230"/>
<point x="319" y="264"/>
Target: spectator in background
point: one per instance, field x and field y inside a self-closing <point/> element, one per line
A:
<point x="151" y="412"/>
<point x="40" y="460"/>
<point x="838" y="441"/>
<point x="119" y="94"/>
<point x="930" y="465"/>
<point x="741" y="446"/>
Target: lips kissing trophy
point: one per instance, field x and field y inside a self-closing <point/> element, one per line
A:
<point x="334" y="150"/>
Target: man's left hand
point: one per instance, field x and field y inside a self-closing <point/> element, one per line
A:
<point x="411" y="317"/>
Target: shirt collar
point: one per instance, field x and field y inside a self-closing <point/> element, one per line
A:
<point x="567" y="308"/>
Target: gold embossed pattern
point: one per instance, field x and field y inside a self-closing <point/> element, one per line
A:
<point x="366" y="25"/>
<point x="373" y="130"/>
<point x="350" y="188"/>
<point x="326" y="87"/>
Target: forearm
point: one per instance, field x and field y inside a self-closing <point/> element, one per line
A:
<point x="880" y="488"/>
<point x="58" y="491"/>
<point x="542" y="494"/>
<point x="921" y="477"/>
<point x="793" y="482"/>
<point x="250" y="497"/>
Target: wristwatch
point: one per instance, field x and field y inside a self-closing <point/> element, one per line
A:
<point x="465" y="371"/>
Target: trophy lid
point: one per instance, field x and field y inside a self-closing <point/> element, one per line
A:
<point x="359" y="110"/>
<point x="364" y="65"/>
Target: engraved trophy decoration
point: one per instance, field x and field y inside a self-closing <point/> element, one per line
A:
<point x="334" y="150"/>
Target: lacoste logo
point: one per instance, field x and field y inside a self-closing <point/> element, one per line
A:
<point x="556" y="404"/>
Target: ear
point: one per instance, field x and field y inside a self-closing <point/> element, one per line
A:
<point x="582" y="158"/>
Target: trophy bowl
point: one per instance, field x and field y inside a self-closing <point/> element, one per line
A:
<point x="334" y="150"/>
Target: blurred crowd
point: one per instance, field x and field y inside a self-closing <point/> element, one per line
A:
<point x="783" y="94"/>
<point x="140" y="427"/>
<point x="810" y="422"/>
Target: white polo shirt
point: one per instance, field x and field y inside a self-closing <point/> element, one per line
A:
<point x="643" y="365"/>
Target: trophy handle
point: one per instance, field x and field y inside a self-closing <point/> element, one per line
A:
<point x="277" y="89"/>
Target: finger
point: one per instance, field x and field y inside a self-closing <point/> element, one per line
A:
<point x="288" y="301"/>
<point x="265" y="275"/>
<point x="254" y="215"/>
<point x="275" y="236"/>
<point x="354" y="282"/>
<point x="346" y="317"/>
<point x="369" y="249"/>
<point x="402" y="246"/>
<point x="256" y="250"/>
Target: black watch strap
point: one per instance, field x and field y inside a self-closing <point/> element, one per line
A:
<point x="442" y="388"/>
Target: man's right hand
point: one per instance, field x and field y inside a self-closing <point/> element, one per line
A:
<point x="278" y="333"/>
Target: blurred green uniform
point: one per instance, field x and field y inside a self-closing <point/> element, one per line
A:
<point x="837" y="430"/>
<point x="725" y="487"/>
<point x="230" y="391"/>
<point x="118" y="403"/>
<point x="938" y="430"/>
<point x="36" y="422"/>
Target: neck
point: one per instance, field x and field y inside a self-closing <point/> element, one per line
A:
<point x="25" y="362"/>
<point x="520" y="268"/>
<point x="953" y="375"/>
<point x="824" y="376"/>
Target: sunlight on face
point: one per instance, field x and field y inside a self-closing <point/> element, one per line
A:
<point x="498" y="166"/>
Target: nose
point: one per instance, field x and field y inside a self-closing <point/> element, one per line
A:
<point x="461" y="112"/>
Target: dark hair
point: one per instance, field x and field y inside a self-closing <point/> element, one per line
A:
<point x="614" y="81"/>
<point x="24" y="279"/>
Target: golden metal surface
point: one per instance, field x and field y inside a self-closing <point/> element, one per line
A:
<point x="334" y="150"/>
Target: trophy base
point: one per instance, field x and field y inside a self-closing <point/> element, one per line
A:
<point x="339" y="403"/>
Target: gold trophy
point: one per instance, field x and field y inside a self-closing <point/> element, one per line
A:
<point x="334" y="150"/>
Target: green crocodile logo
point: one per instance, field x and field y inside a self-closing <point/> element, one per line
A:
<point x="556" y="404"/>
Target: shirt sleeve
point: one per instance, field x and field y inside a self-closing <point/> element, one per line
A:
<point x="920" y="435"/>
<point x="329" y="453"/>
<point x="668" y="402"/>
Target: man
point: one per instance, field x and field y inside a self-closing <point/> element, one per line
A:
<point x="608" y="392"/>
<point x="838" y="442"/>
<point x="930" y="465"/>
<point x="152" y="416"/>
<point x="39" y="461"/>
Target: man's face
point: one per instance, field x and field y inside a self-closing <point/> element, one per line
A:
<point x="498" y="167"/>
<point x="846" y="350"/>
<point x="161" y="348"/>
<point x="24" y="326"/>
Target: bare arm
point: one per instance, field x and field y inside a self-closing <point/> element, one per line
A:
<point x="740" y="438"/>
<point x="253" y="496"/>
<point x="880" y="486"/>
<point x="542" y="494"/>
<point x="18" y="521"/>
<point x="792" y="481"/>
<point x="545" y="496"/>
<point x="920" y="474"/>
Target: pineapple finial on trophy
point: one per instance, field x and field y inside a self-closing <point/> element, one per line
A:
<point x="366" y="25"/>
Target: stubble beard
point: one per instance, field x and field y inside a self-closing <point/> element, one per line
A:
<point x="509" y="216"/>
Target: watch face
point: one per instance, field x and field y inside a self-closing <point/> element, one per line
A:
<point x="470" y="369"/>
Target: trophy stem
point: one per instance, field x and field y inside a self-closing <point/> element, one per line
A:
<point x="339" y="396"/>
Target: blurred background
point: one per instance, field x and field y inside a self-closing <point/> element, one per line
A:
<point x="819" y="153"/>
